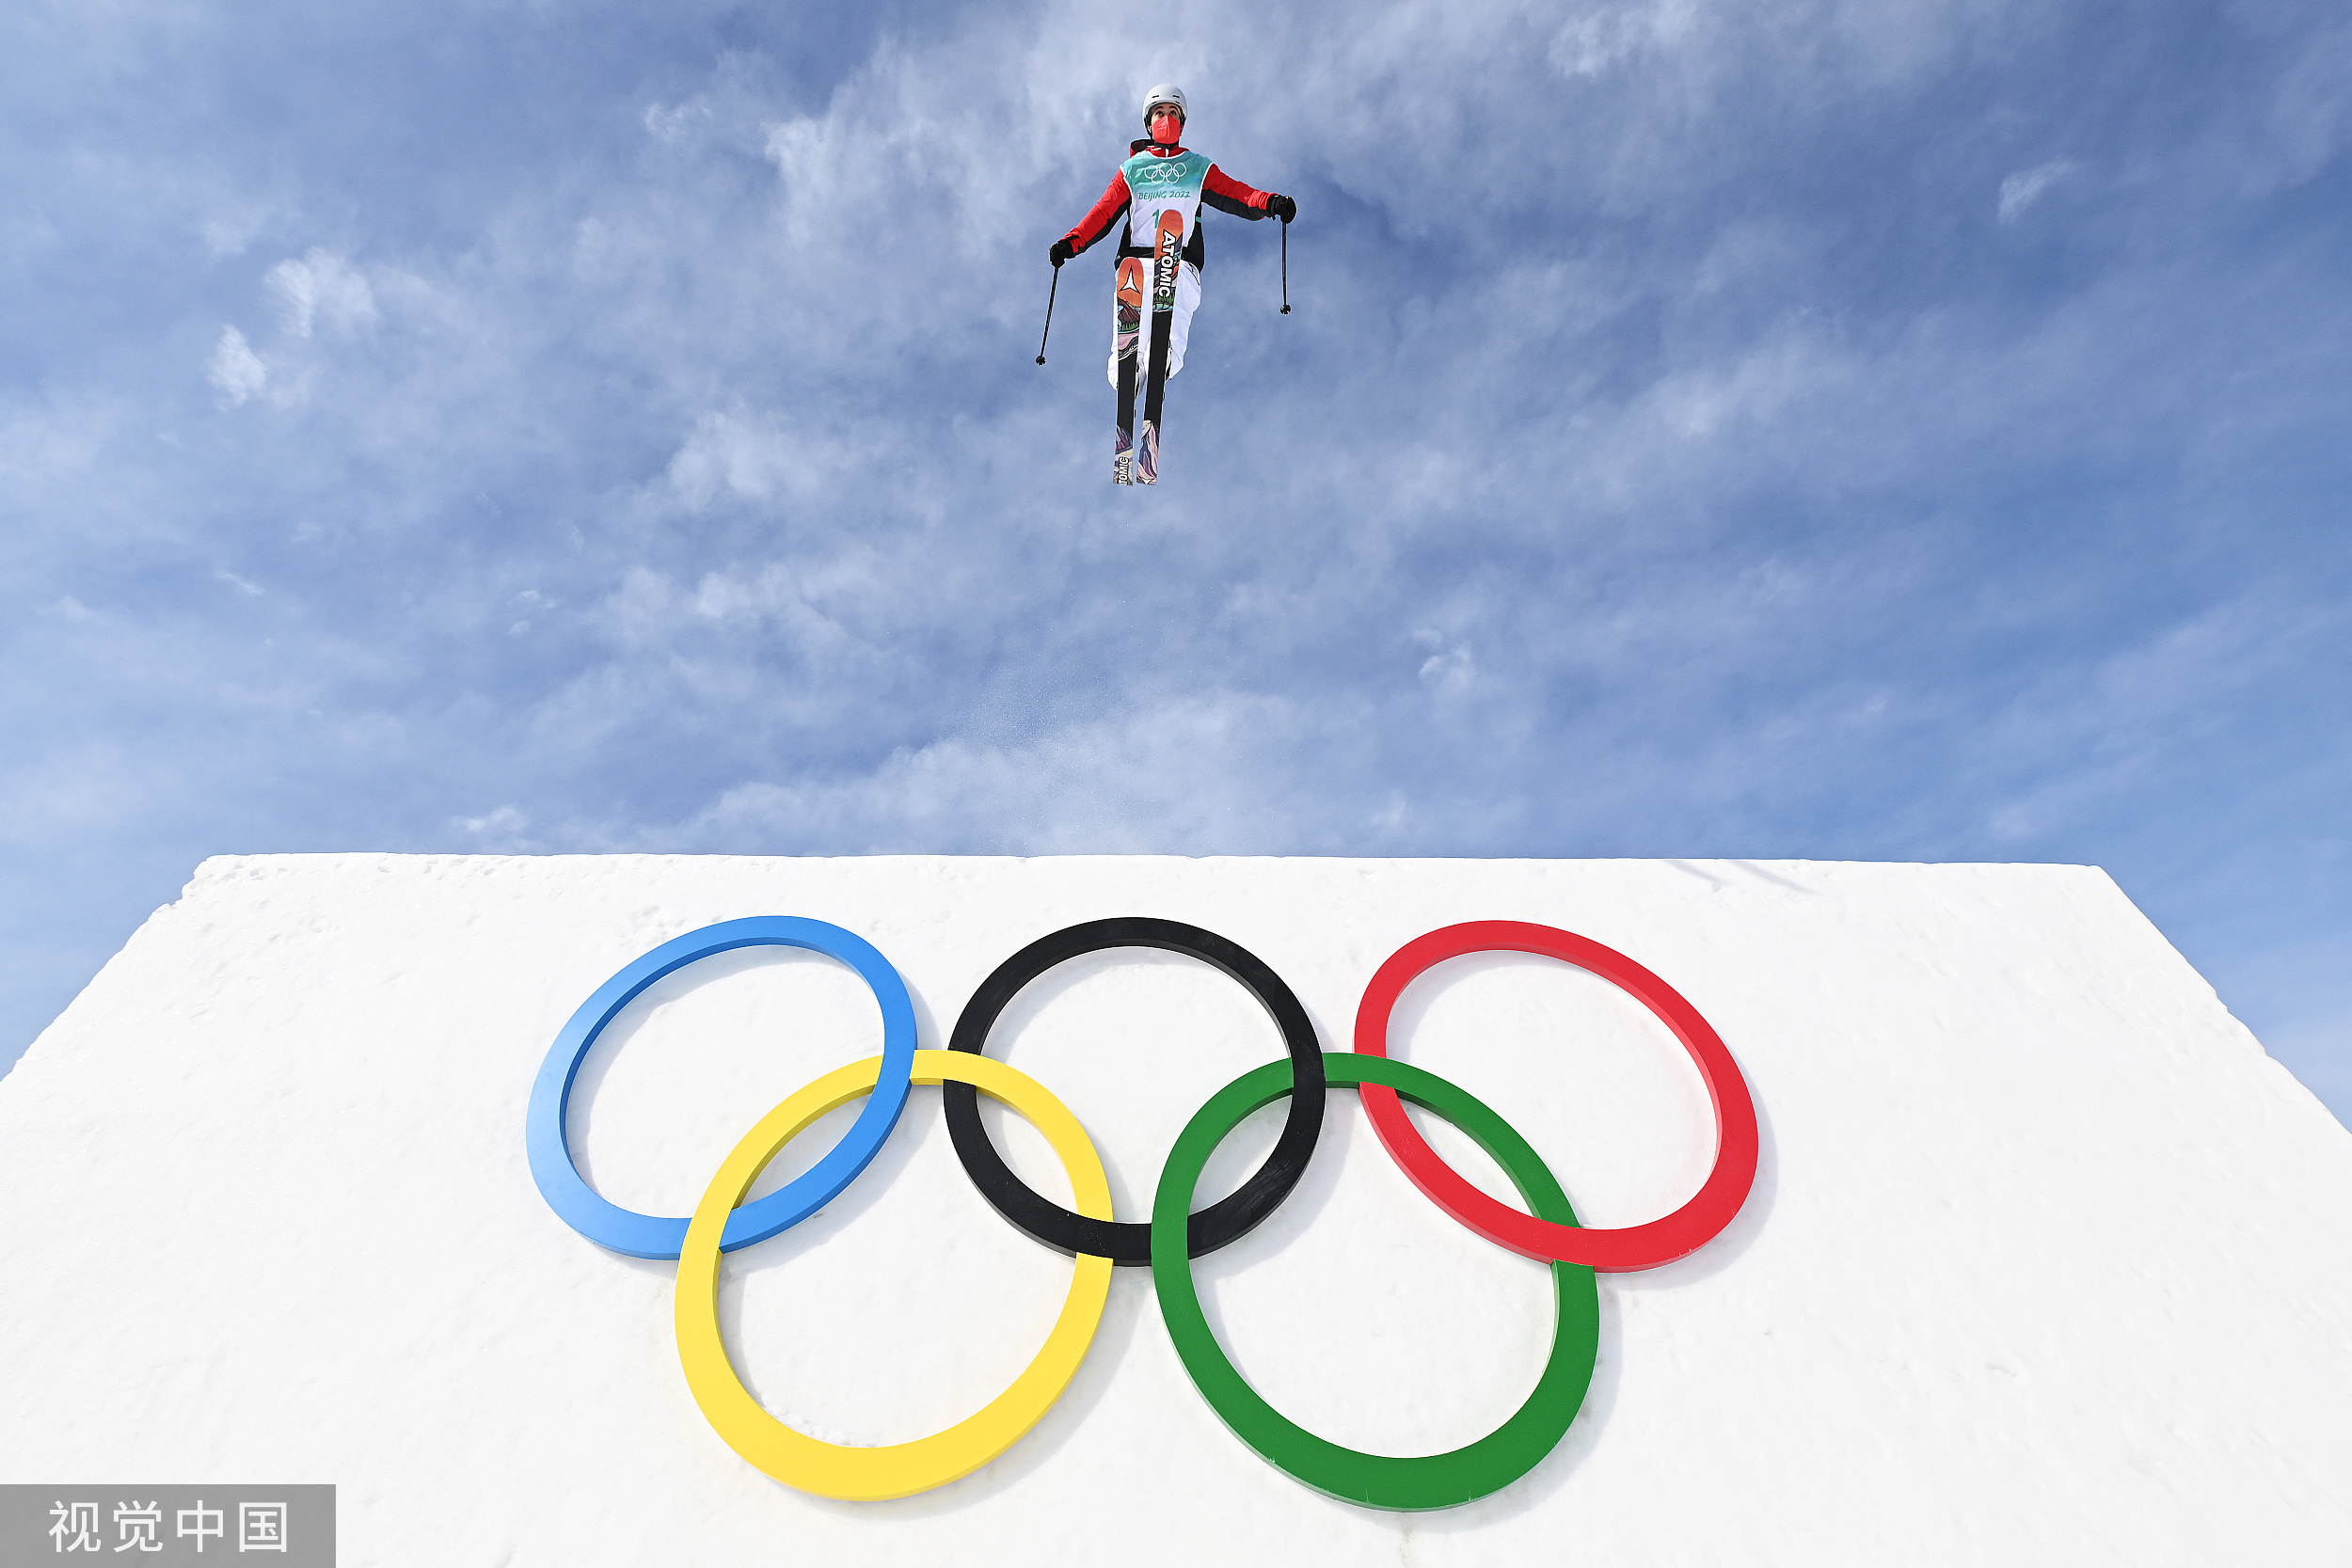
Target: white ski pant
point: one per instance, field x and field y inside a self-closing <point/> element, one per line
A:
<point x="1187" y="298"/>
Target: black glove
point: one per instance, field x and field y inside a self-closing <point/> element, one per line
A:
<point x="1281" y="207"/>
<point x="1063" y="250"/>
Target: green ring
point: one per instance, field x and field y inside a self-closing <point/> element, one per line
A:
<point x="1375" y="1481"/>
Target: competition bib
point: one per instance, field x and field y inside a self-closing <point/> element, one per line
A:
<point x="1157" y="185"/>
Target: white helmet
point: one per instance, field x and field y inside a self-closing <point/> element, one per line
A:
<point x="1166" y="92"/>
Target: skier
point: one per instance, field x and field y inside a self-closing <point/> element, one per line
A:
<point x="1158" y="191"/>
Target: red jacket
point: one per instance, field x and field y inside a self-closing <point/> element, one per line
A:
<point x="1220" y="190"/>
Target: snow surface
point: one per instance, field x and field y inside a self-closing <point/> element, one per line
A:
<point x="2046" y="1262"/>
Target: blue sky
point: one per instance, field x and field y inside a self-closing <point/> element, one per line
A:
<point x="1833" y="429"/>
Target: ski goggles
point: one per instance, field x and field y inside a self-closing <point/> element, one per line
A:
<point x="1547" y="1230"/>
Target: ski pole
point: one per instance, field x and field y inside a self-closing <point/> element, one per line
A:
<point x="1286" y="266"/>
<point x="1049" y="315"/>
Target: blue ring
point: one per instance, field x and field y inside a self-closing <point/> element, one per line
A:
<point x="620" y="1230"/>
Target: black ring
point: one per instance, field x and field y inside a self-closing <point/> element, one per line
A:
<point x="1227" y="1219"/>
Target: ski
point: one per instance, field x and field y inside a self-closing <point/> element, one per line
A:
<point x="1128" y="330"/>
<point x="1164" y="259"/>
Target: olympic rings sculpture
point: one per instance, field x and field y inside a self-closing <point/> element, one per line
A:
<point x="1548" y="1232"/>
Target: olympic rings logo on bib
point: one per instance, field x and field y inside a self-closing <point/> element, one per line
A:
<point x="1547" y="1230"/>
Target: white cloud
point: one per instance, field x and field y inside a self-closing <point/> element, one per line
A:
<point x="2021" y="190"/>
<point x="1188" y="776"/>
<point x="234" y="370"/>
<point x="1611" y="36"/>
<point x="503" y="829"/>
<point x="675" y="123"/>
<point x="322" y="290"/>
<point x="745" y="457"/>
<point x="1450" y="670"/>
<point x="770" y="604"/>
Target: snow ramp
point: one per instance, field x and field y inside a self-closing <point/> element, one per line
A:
<point x="2043" y="1259"/>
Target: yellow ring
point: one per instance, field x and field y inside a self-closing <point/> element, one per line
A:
<point x="831" y="1469"/>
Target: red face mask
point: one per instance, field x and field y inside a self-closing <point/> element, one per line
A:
<point x="1165" y="129"/>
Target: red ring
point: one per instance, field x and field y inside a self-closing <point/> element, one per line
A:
<point x="1638" y="1247"/>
